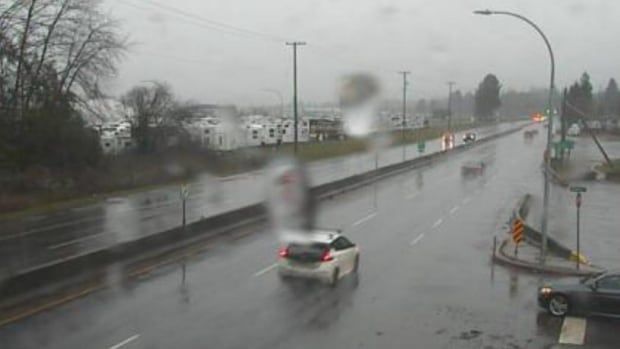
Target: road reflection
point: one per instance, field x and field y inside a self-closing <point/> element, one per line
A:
<point x="321" y="304"/>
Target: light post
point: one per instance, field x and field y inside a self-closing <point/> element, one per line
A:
<point x="547" y="157"/>
<point x="450" y="84"/>
<point x="403" y="123"/>
<point x="295" y="44"/>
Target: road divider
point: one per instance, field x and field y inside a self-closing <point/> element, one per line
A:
<point x="19" y="282"/>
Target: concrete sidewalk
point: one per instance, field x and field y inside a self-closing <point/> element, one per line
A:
<point x="599" y="211"/>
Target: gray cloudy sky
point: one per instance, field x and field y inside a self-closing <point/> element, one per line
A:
<point x="437" y="40"/>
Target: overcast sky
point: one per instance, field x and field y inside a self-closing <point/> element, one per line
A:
<point x="437" y="40"/>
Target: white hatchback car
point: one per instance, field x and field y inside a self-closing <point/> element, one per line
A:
<point x="323" y="255"/>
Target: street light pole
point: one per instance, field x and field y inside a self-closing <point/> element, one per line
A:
<point x="547" y="157"/>
<point x="404" y="119"/>
<point x="450" y="84"/>
<point x="295" y="44"/>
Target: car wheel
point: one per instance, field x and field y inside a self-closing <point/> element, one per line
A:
<point x="558" y="305"/>
<point x="356" y="265"/>
<point x="334" y="279"/>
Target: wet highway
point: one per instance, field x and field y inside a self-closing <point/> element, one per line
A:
<point x="36" y="240"/>
<point x="425" y="278"/>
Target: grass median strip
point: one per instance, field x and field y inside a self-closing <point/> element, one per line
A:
<point x="228" y="164"/>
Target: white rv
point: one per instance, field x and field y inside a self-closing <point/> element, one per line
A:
<point x="115" y="138"/>
<point x="288" y="130"/>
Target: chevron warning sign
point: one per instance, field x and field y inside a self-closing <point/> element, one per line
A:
<point x="517" y="230"/>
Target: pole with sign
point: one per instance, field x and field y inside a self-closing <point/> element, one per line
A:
<point x="578" y="190"/>
<point x="184" y="194"/>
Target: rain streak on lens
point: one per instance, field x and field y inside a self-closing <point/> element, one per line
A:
<point x="359" y="94"/>
<point x="289" y="201"/>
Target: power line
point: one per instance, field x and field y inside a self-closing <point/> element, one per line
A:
<point x="194" y="22"/>
<point x="246" y="33"/>
<point x="210" y="23"/>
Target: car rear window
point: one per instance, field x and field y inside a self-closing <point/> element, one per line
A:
<point x="307" y="252"/>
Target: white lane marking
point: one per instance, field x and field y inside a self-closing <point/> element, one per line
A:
<point x="454" y="209"/>
<point x="71" y="242"/>
<point x="436" y="224"/>
<point x="360" y="221"/>
<point x="466" y="200"/>
<point x="265" y="270"/>
<point x="573" y="331"/>
<point x="416" y="240"/>
<point x="126" y="341"/>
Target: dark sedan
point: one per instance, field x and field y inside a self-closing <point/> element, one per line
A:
<point x="598" y="295"/>
<point x="469" y="137"/>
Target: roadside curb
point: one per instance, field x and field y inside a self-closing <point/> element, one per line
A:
<point x="501" y="257"/>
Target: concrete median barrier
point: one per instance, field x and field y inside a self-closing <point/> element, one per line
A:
<point x="126" y="252"/>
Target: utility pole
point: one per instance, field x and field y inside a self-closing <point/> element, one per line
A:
<point x="404" y="119"/>
<point x="295" y="44"/>
<point x="450" y="84"/>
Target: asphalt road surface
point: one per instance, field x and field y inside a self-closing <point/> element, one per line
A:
<point x="40" y="239"/>
<point x="425" y="278"/>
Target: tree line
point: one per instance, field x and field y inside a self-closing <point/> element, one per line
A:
<point x="488" y="100"/>
<point x="581" y="100"/>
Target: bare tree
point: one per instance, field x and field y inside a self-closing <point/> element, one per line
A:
<point x="147" y="109"/>
<point x="56" y="48"/>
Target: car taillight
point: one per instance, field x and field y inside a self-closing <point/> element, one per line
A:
<point x="326" y="256"/>
<point x="283" y="252"/>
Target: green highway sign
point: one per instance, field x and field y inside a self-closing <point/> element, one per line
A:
<point x="566" y="145"/>
<point x="578" y="189"/>
<point x="421" y="147"/>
